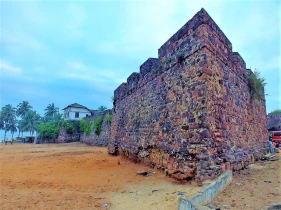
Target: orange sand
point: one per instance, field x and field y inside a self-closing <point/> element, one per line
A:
<point x="255" y="188"/>
<point x="76" y="176"/>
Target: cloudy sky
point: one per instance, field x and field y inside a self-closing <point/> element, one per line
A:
<point x="64" y="52"/>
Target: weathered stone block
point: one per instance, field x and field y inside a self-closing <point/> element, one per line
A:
<point x="132" y="82"/>
<point x="149" y="65"/>
<point x="120" y="92"/>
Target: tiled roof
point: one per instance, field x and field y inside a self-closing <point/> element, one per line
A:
<point x="76" y="105"/>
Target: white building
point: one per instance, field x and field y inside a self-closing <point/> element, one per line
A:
<point x="75" y="112"/>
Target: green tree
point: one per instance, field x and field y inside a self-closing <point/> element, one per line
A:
<point x="8" y="116"/>
<point x="1" y="122"/>
<point x="20" y="127"/>
<point x="46" y="119"/>
<point x="49" y="130"/>
<point x="69" y="128"/>
<point x="31" y="121"/>
<point x="275" y="112"/>
<point x="57" y="118"/>
<point x="23" y="108"/>
<point x="51" y="110"/>
<point x="12" y="127"/>
<point x="102" y="108"/>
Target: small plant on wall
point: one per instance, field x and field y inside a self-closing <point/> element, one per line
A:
<point x="85" y="127"/>
<point x="180" y="56"/>
<point x="97" y="125"/>
<point x="256" y="85"/>
<point x="108" y="118"/>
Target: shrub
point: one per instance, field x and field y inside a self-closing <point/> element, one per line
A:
<point x="69" y="128"/>
<point x="85" y="127"/>
<point x="97" y="125"/>
<point x="256" y="85"/>
<point x="49" y="130"/>
<point x="275" y="112"/>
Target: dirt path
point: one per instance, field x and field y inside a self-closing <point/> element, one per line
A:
<point x="75" y="176"/>
<point x="254" y="188"/>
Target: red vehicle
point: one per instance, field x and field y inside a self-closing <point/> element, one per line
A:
<point x="275" y="136"/>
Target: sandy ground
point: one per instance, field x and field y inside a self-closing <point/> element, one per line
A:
<point x="76" y="176"/>
<point x="255" y="188"/>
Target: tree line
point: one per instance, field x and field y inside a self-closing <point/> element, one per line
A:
<point x="24" y="119"/>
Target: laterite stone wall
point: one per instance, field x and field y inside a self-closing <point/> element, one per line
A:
<point x="103" y="138"/>
<point x="190" y="111"/>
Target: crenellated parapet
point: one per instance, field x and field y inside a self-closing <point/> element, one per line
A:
<point x="201" y="32"/>
<point x="239" y="65"/>
<point x="120" y="92"/>
<point x="132" y="82"/>
<point x="148" y="71"/>
<point x="149" y="65"/>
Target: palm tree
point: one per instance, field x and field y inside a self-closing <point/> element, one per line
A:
<point x="57" y="118"/>
<point x="8" y="116"/>
<point x="12" y="127"/>
<point x="20" y="127"/>
<point x="31" y="121"/>
<point x="51" y="110"/>
<point x="1" y="122"/>
<point x="23" y="108"/>
<point x="2" y="125"/>
<point x="46" y="119"/>
<point x="102" y="108"/>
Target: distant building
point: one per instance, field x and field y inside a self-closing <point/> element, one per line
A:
<point x="75" y="112"/>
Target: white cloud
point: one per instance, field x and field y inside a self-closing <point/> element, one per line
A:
<point x="20" y="75"/>
<point x="8" y="69"/>
<point x="19" y="42"/>
<point x="100" y="77"/>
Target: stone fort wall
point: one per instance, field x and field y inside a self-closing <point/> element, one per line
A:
<point x="103" y="138"/>
<point x="190" y="111"/>
<point x="274" y="121"/>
